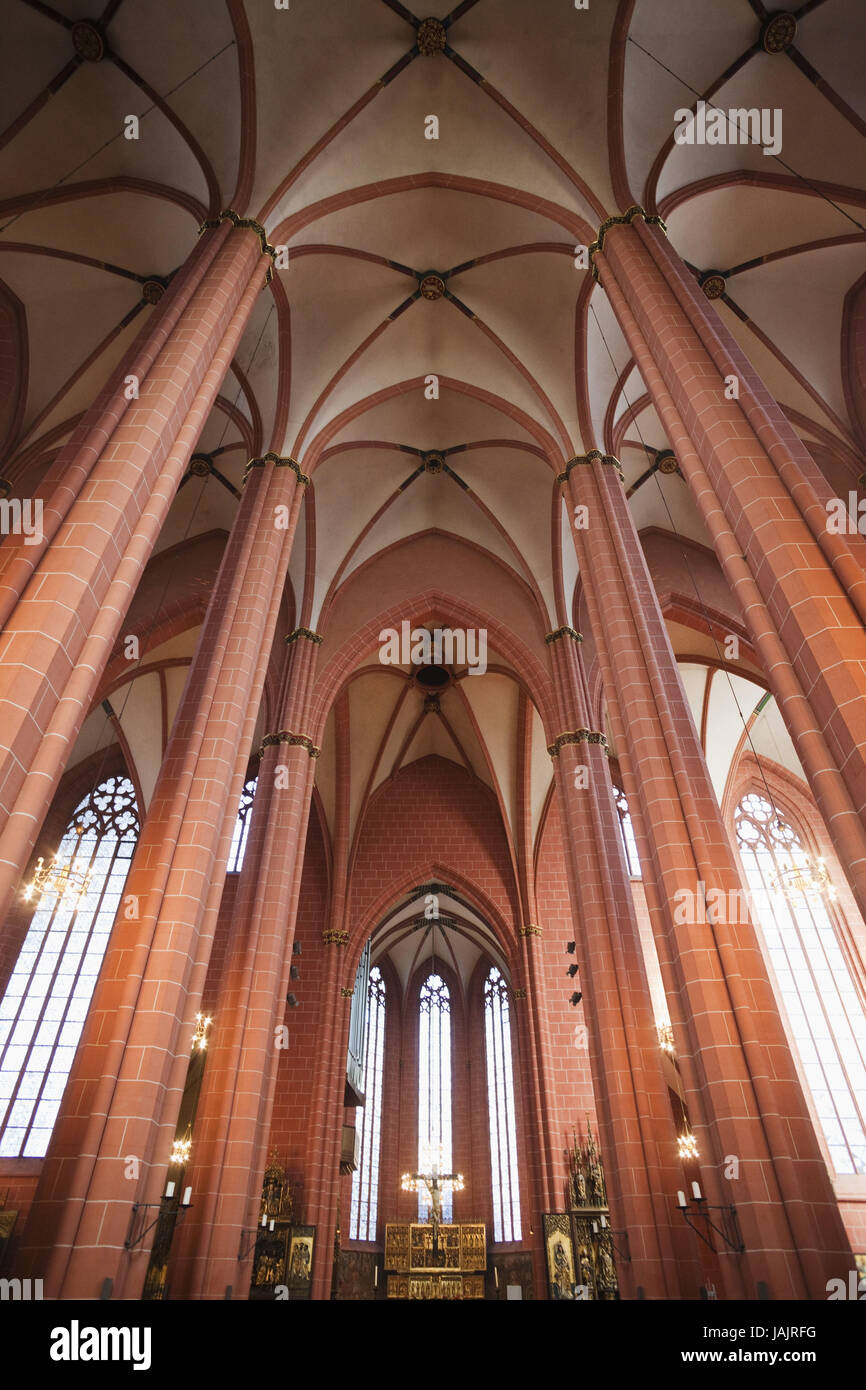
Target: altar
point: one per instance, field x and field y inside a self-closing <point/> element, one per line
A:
<point x="422" y="1266"/>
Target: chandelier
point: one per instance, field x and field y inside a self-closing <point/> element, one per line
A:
<point x="61" y="877"/>
<point x="806" y="877"/>
<point x="199" y="1037"/>
<point x="181" y="1150"/>
<point x="687" y="1145"/>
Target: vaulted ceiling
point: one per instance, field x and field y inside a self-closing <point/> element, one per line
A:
<point x="315" y="119"/>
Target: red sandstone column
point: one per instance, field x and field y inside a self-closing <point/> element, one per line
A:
<point x="234" y="1114"/>
<point x="741" y="1083"/>
<point x="127" y="1081"/>
<point x="58" y="639"/>
<point x="634" y="1115"/>
<point x="801" y="587"/>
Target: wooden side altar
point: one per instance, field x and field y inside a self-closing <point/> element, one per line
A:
<point x="422" y="1268"/>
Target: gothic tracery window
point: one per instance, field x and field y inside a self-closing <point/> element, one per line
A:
<point x="500" y="1107"/>
<point x="627" y="832"/>
<point x="365" y="1179"/>
<point x="242" y="827"/>
<point x="434" y="1088"/>
<point x="824" y="1009"/>
<point x="43" y="1011"/>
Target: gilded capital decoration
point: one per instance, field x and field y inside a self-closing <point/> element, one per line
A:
<point x="530" y="929"/>
<point x="624" y="221"/>
<point x="244" y="223"/>
<point x="578" y="736"/>
<point x="279" y="461"/>
<point x="519" y="993"/>
<point x="294" y="741"/>
<point x="588" y="458"/>
<point x="332" y="937"/>
<point x="346" y="993"/>
<point x="563" y="632"/>
<point x="306" y="633"/>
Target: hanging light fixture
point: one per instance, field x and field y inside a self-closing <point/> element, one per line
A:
<point x="199" y="1037"/>
<point x="181" y="1150"/>
<point x="809" y="877"/>
<point x="687" y="1145"/>
<point x="60" y="877"/>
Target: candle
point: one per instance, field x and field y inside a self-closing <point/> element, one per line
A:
<point x="595" y="1228"/>
<point x="696" y="1191"/>
<point x="187" y="1197"/>
<point x="603" y="1222"/>
<point x="265" y="1219"/>
<point x="375" y="1276"/>
<point x="169" y="1189"/>
<point x="272" y="1224"/>
<point x="681" y="1199"/>
<point x="496" y="1274"/>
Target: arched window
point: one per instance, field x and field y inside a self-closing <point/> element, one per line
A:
<point x="500" y="1108"/>
<point x="242" y="827"/>
<point x="48" y="995"/>
<point x="365" y="1179"/>
<point x="824" y="1009"/>
<point x="627" y="832"/>
<point x="434" y="1088"/>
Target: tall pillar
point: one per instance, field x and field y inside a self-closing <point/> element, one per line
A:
<point x="742" y="1089"/>
<point x="127" y="1081"/>
<point x="213" y="1249"/>
<point x="801" y="587"/>
<point x="634" y="1115"/>
<point x="59" y="634"/>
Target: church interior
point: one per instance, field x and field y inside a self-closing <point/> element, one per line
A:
<point x="433" y="651"/>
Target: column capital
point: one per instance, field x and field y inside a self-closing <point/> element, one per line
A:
<point x="306" y="633"/>
<point x="279" y="461"/>
<point x="562" y="632"/>
<point x="244" y="223"/>
<point x="345" y="992"/>
<point x="608" y="459"/>
<point x="625" y="220"/>
<point x="577" y="736"/>
<point x="332" y="937"/>
<point x="294" y="740"/>
<point x="530" y="929"/>
<point x="519" y="993"/>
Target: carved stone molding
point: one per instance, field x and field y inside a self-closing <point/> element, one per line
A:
<point x="563" y="632"/>
<point x="308" y="635"/>
<point x="577" y="736"/>
<point x="279" y="461"/>
<point x="332" y="937"/>
<point x="624" y="221"/>
<point x="294" y="741"/>
<point x="580" y="459"/>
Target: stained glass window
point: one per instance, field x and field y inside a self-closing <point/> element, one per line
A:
<point x="434" y="1089"/>
<point x="46" y="1001"/>
<point x="365" y="1179"/>
<point x="500" y="1108"/>
<point x="824" y="1009"/>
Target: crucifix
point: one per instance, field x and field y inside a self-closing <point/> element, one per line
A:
<point x="436" y="1183"/>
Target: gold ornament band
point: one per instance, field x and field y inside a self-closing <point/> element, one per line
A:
<point x="305" y="632"/>
<point x="624" y="221"/>
<point x="563" y="632"/>
<point x="530" y="929"/>
<point x="332" y="937"/>
<point x="588" y="458"/>
<point x="294" y="740"/>
<point x="280" y="462"/>
<point x="578" y="736"/>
